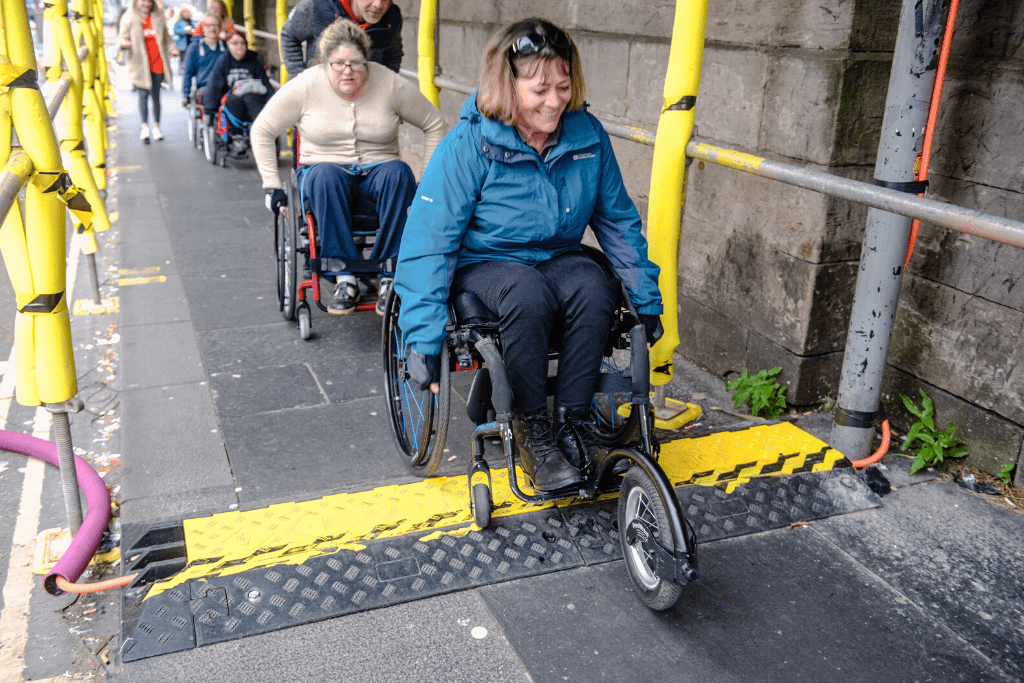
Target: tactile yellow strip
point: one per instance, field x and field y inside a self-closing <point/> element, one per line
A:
<point x="731" y="458"/>
<point x="290" y="533"/>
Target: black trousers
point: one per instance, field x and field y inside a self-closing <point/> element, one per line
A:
<point x="571" y="293"/>
<point x="245" y="108"/>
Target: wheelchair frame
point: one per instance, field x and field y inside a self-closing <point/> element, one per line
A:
<point x="657" y="542"/>
<point x="296" y="233"/>
<point x="195" y="117"/>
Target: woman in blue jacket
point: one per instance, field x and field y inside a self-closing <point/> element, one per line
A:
<point x="500" y="211"/>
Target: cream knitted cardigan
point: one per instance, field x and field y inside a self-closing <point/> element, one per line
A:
<point x="333" y="130"/>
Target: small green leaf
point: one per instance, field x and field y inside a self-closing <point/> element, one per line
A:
<point x="918" y="464"/>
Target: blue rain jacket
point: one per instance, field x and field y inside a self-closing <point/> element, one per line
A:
<point x="486" y="195"/>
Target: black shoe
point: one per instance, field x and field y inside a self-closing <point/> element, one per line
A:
<point x="542" y="460"/>
<point x="572" y="425"/>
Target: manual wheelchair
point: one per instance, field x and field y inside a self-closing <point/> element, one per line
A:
<point x="218" y="140"/>
<point x="657" y="542"/>
<point x="296" y="238"/>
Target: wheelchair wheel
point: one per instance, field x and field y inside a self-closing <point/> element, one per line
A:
<point x="286" y="242"/>
<point x="640" y="504"/>
<point x="305" y="322"/>
<point x="481" y="505"/>
<point x="210" y="144"/>
<point x="419" y="419"/>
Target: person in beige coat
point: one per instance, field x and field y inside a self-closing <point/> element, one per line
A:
<point x="144" y="36"/>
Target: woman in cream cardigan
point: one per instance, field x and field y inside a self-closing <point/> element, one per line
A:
<point x="348" y="110"/>
<point x="144" y="36"/>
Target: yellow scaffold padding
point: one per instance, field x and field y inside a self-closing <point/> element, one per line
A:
<point x="729" y="459"/>
<point x="33" y="244"/>
<point x="291" y="533"/>
<point x="425" y="63"/>
<point x="668" y="170"/>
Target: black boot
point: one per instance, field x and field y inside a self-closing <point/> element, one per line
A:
<point x="540" y="456"/>
<point x="572" y="424"/>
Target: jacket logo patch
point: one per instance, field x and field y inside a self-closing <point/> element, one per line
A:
<point x="585" y="155"/>
<point x="426" y="198"/>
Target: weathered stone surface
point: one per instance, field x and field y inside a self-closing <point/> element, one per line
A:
<point x="459" y="49"/>
<point x="606" y="63"/>
<point x="800" y="305"/>
<point x="989" y="30"/>
<point x="859" y="111"/>
<point x="874" y="25"/>
<point x="645" y="84"/>
<point x="788" y="217"/>
<point x="709" y="339"/>
<point x="731" y="99"/>
<point x="961" y="343"/>
<point x="980" y="132"/>
<point x="993" y="440"/>
<point x="799" y="106"/>
<point x="821" y="25"/>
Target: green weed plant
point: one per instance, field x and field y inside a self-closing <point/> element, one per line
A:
<point x="1005" y="473"/>
<point x="761" y="392"/>
<point x="936" y="446"/>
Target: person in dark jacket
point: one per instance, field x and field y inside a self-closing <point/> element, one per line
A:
<point x="200" y="58"/>
<point x="239" y="74"/>
<point x="500" y="212"/>
<point x="381" y="19"/>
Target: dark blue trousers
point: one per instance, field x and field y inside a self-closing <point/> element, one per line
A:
<point x="571" y="293"/>
<point x="332" y="189"/>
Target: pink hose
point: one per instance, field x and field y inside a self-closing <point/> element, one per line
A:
<point x="84" y="544"/>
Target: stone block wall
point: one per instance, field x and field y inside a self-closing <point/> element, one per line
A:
<point x="766" y="271"/>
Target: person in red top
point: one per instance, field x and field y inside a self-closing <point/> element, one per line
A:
<point x="145" y="37"/>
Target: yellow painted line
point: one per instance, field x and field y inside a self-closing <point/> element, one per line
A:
<point x="124" y="282"/>
<point x="119" y="169"/>
<point x="230" y="543"/>
<point x="113" y="216"/>
<point x="138" y="271"/>
<point x="90" y="307"/>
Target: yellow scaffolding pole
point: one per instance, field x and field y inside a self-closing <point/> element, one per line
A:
<point x="668" y="173"/>
<point x="282" y="16"/>
<point x="33" y="251"/>
<point x="250" y="23"/>
<point x="426" y="62"/>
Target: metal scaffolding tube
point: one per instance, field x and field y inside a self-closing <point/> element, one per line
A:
<point x="938" y="213"/>
<point x="885" y="239"/>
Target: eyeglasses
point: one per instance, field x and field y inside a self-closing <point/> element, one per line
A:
<point x="354" y="66"/>
<point x="532" y="43"/>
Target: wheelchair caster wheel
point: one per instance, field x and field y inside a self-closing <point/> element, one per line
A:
<point x="481" y="505"/>
<point x="640" y="505"/>
<point x="304" y="323"/>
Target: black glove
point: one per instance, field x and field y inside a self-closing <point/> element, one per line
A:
<point x="423" y="370"/>
<point x="275" y="199"/>
<point x="208" y="119"/>
<point x="652" y="327"/>
<point x="185" y="103"/>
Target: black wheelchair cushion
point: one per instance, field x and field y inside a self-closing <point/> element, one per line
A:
<point x="469" y="310"/>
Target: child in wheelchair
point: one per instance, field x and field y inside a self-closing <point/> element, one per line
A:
<point x="347" y="110"/>
<point x="238" y="88"/>
<point x="501" y="213"/>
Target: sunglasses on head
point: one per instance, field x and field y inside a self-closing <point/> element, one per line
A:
<point x="532" y="43"/>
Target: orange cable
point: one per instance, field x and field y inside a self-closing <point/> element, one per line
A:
<point x="69" y="587"/>
<point x="882" y="450"/>
<point x="933" y="115"/>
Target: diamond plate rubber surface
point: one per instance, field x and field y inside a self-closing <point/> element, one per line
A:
<point x="389" y="571"/>
<point x="385" y="572"/>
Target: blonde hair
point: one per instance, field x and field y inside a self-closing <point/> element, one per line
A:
<point x="342" y="32"/>
<point x="497" y="98"/>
